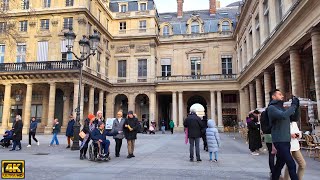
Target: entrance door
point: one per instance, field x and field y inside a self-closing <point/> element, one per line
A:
<point x="195" y="67"/>
<point x="15" y="110"/>
<point x="58" y="109"/>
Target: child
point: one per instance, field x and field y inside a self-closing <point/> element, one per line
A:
<point x="213" y="139"/>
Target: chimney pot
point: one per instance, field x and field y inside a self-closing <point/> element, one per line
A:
<point x="180" y="8"/>
<point x="213" y="7"/>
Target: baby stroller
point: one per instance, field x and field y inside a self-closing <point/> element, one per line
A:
<point x="7" y="138"/>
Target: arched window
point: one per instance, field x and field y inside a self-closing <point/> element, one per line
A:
<point x="225" y="26"/>
<point x="195" y="27"/>
<point x="166" y="31"/>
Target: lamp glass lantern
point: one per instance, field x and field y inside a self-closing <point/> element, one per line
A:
<point x="94" y="40"/>
<point x="84" y="46"/>
<point x="70" y="37"/>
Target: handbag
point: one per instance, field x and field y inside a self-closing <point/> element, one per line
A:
<point x="82" y="134"/>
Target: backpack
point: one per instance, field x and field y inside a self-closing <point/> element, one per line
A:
<point x="266" y="125"/>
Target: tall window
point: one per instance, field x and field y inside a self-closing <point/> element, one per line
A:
<point x="68" y="23"/>
<point x="166" y="31"/>
<point x="266" y="17"/>
<point x="194" y="27"/>
<point x="3" y="27"/>
<point x="23" y="26"/>
<point x="123" y="8"/>
<point x="142" y="68"/>
<point x="123" y="27"/>
<point x="257" y="31"/>
<point x="195" y="66"/>
<point x="226" y="64"/>
<point x="46" y="3"/>
<point x="98" y="61"/>
<point x="225" y="26"/>
<point x="36" y="112"/>
<point x="21" y="52"/>
<point x="142" y="26"/>
<point x="69" y="2"/>
<point x="25" y="4"/>
<point x="165" y="67"/>
<point x="122" y="68"/>
<point x="143" y="6"/>
<point x="43" y="51"/>
<point x="106" y="66"/>
<point x="4" y="5"/>
<point x="2" y="51"/>
<point x="44" y="24"/>
<point x="64" y="55"/>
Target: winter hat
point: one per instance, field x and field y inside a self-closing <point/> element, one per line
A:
<point x="91" y="116"/>
<point x="99" y="123"/>
<point x="130" y="112"/>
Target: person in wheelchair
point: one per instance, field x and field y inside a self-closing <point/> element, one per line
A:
<point x="7" y="137"/>
<point x="99" y="136"/>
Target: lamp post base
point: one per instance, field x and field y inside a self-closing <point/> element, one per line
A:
<point x="76" y="130"/>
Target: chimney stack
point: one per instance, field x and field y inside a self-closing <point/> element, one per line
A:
<point x="218" y="6"/>
<point x="180" y="8"/>
<point x="213" y="8"/>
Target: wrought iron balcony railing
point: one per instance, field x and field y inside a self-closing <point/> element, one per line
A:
<point x="209" y="77"/>
<point x="39" y="66"/>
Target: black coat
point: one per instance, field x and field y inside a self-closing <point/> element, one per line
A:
<point x="17" y="131"/>
<point x="254" y="135"/>
<point x="194" y="125"/>
<point x="69" y="131"/>
<point x="56" y="129"/>
<point x="134" y="124"/>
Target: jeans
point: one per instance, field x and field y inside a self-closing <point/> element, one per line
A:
<point x="194" y="142"/>
<point x="215" y="155"/>
<point x="33" y="134"/>
<point x="54" y="138"/>
<point x="284" y="157"/>
<point x="301" y="163"/>
<point x="130" y="146"/>
<point x="118" y="146"/>
<point x="271" y="157"/>
<point x="15" y="143"/>
<point x="104" y="146"/>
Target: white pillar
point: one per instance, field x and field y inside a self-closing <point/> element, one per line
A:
<point x="252" y="97"/>
<point x="100" y="108"/>
<point x="91" y="100"/>
<point x="213" y="105"/>
<point x="27" y="109"/>
<point x="174" y="109"/>
<point x="219" y="103"/>
<point x="51" y="106"/>
<point x="259" y="93"/>
<point x="279" y="76"/>
<point x="267" y="87"/>
<point x="296" y="77"/>
<point x="180" y="109"/>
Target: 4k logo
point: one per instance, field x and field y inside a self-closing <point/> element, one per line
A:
<point x="12" y="169"/>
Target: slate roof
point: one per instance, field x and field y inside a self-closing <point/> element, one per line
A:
<point x="132" y="5"/>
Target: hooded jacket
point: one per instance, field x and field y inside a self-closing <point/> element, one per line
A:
<point x="213" y="138"/>
<point x="279" y="117"/>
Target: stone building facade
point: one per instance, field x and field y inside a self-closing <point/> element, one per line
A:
<point x="156" y="64"/>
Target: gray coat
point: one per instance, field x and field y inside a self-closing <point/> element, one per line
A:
<point x="213" y="138"/>
<point x="118" y="127"/>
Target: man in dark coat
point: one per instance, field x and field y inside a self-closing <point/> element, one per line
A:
<point x="17" y="133"/>
<point x="130" y="129"/>
<point x="194" y="125"/>
<point x="203" y="135"/>
<point x="118" y="126"/>
<point x="69" y="131"/>
<point x="254" y="135"/>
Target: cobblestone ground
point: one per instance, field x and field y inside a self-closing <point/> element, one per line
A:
<point x="160" y="156"/>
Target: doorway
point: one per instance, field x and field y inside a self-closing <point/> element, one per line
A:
<point x="58" y="109"/>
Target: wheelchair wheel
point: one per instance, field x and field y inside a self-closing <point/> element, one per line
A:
<point x="92" y="156"/>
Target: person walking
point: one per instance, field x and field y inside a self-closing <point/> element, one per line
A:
<point x="88" y="127"/>
<point x="32" y="131"/>
<point x="213" y="140"/>
<point x="118" y="127"/>
<point x="254" y="135"/>
<point x="55" y="132"/>
<point x="163" y="126"/>
<point x="194" y="125"/>
<point x="171" y="124"/>
<point x="130" y="130"/>
<point x="280" y="132"/>
<point x="203" y="135"/>
<point x="17" y="133"/>
<point x="69" y="131"/>
<point x="295" y="148"/>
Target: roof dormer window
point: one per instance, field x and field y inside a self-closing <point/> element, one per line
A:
<point x="123" y="8"/>
<point x="195" y="27"/>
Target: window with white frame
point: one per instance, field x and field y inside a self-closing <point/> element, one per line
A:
<point x="98" y="61"/>
<point x="44" y="24"/>
<point x="3" y="27"/>
<point x="46" y="3"/>
<point x="69" y="2"/>
<point x="21" y="52"/>
<point x="225" y="26"/>
<point x="65" y="56"/>
<point x="165" y="30"/>
<point x="4" y="5"/>
<point x="165" y="67"/>
<point x="25" y="4"/>
<point x="123" y="26"/>
<point x="123" y="8"/>
<point x="195" y="27"/>
<point x="23" y="26"/>
<point x="2" y="52"/>
<point x="142" y="68"/>
<point x="143" y="6"/>
<point x="43" y="51"/>
<point x="195" y="66"/>
<point x="68" y="23"/>
<point x="122" y="68"/>
<point x="142" y="26"/>
<point x="226" y="64"/>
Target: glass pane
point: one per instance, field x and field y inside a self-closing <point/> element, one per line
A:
<point x="33" y="110"/>
<point x="39" y="111"/>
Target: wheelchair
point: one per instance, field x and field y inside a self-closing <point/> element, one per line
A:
<point x="94" y="154"/>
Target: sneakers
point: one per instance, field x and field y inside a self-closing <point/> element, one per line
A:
<point x="129" y="156"/>
<point x="199" y="160"/>
<point x="132" y="155"/>
<point x="38" y="143"/>
<point x="255" y="154"/>
<point x="29" y="145"/>
<point x="215" y="160"/>
<point x="67" y="147"/>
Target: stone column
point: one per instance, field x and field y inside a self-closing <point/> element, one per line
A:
<point x="252" y="97"/>
<point x="45" y="105"/>
<point x="267" y="87"/>
<point x="174" y="109"/>
<point x="91" y="100"/>
<point x="296" y="78"/>
<point x="242" y="105"/>
<point x="152" y="106"/>
<point x="259" y="93"/>
<point x="75" y="98"/>
<point x="6" y="107"/>
<point x="52" y="98"/>
<point x="213" y="105"/>
<point x="279" y="76"/>
<point x="131" y="102"/>
<point x="27" y="109"/>
<point x="246" y="100"/>
<point x="110" y="105"/>
<point x="66" y="109"/>
<point x="101" y="93"/>
<point x="315" y="40"/>
<point x="180" y="109"/>
<point x="219" y="103"/>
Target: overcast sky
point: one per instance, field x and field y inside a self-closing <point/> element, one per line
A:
<point x="171" y="5"/>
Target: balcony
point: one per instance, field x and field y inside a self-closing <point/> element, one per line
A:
<point x="192" y="78"/>
<point x="39" y="66"/>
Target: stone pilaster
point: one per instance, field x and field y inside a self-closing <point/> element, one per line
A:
<point x="252" y="97"/>
<point x="279" y="76"/>
<point x="152" y="106"/>
<point x="213" y="105"/>
<point x="131" y="102"/>
<point x="180" y="109"/>
<point x="219" y="103"/>
<point x="242" y="105"/>
<point x="101" y="94"/>
<point x="91" y="100"/>
<point x="52" y="97"/>
<point x="6" y="107"/>
<point x="267" y="87"/>
<point x="296" y="78"/>
<point x="246" y="100"/>
<point x="27" y="109"/>
<point x="315" y="40"/>
<point x="259" y="93"/>
<point x="174" y="109"/>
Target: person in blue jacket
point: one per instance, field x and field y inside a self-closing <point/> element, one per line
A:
<point x="69" y="131"/>
<point x="32" y="131"/>
<point x="99" y="135"/>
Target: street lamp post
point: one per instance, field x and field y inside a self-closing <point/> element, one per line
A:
<point x="88" y="48"/>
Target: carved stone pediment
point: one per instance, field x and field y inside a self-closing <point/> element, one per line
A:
<point x="142" y="48"/>
<point x="122" y="49"/>
<point x="195" y="51"/>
